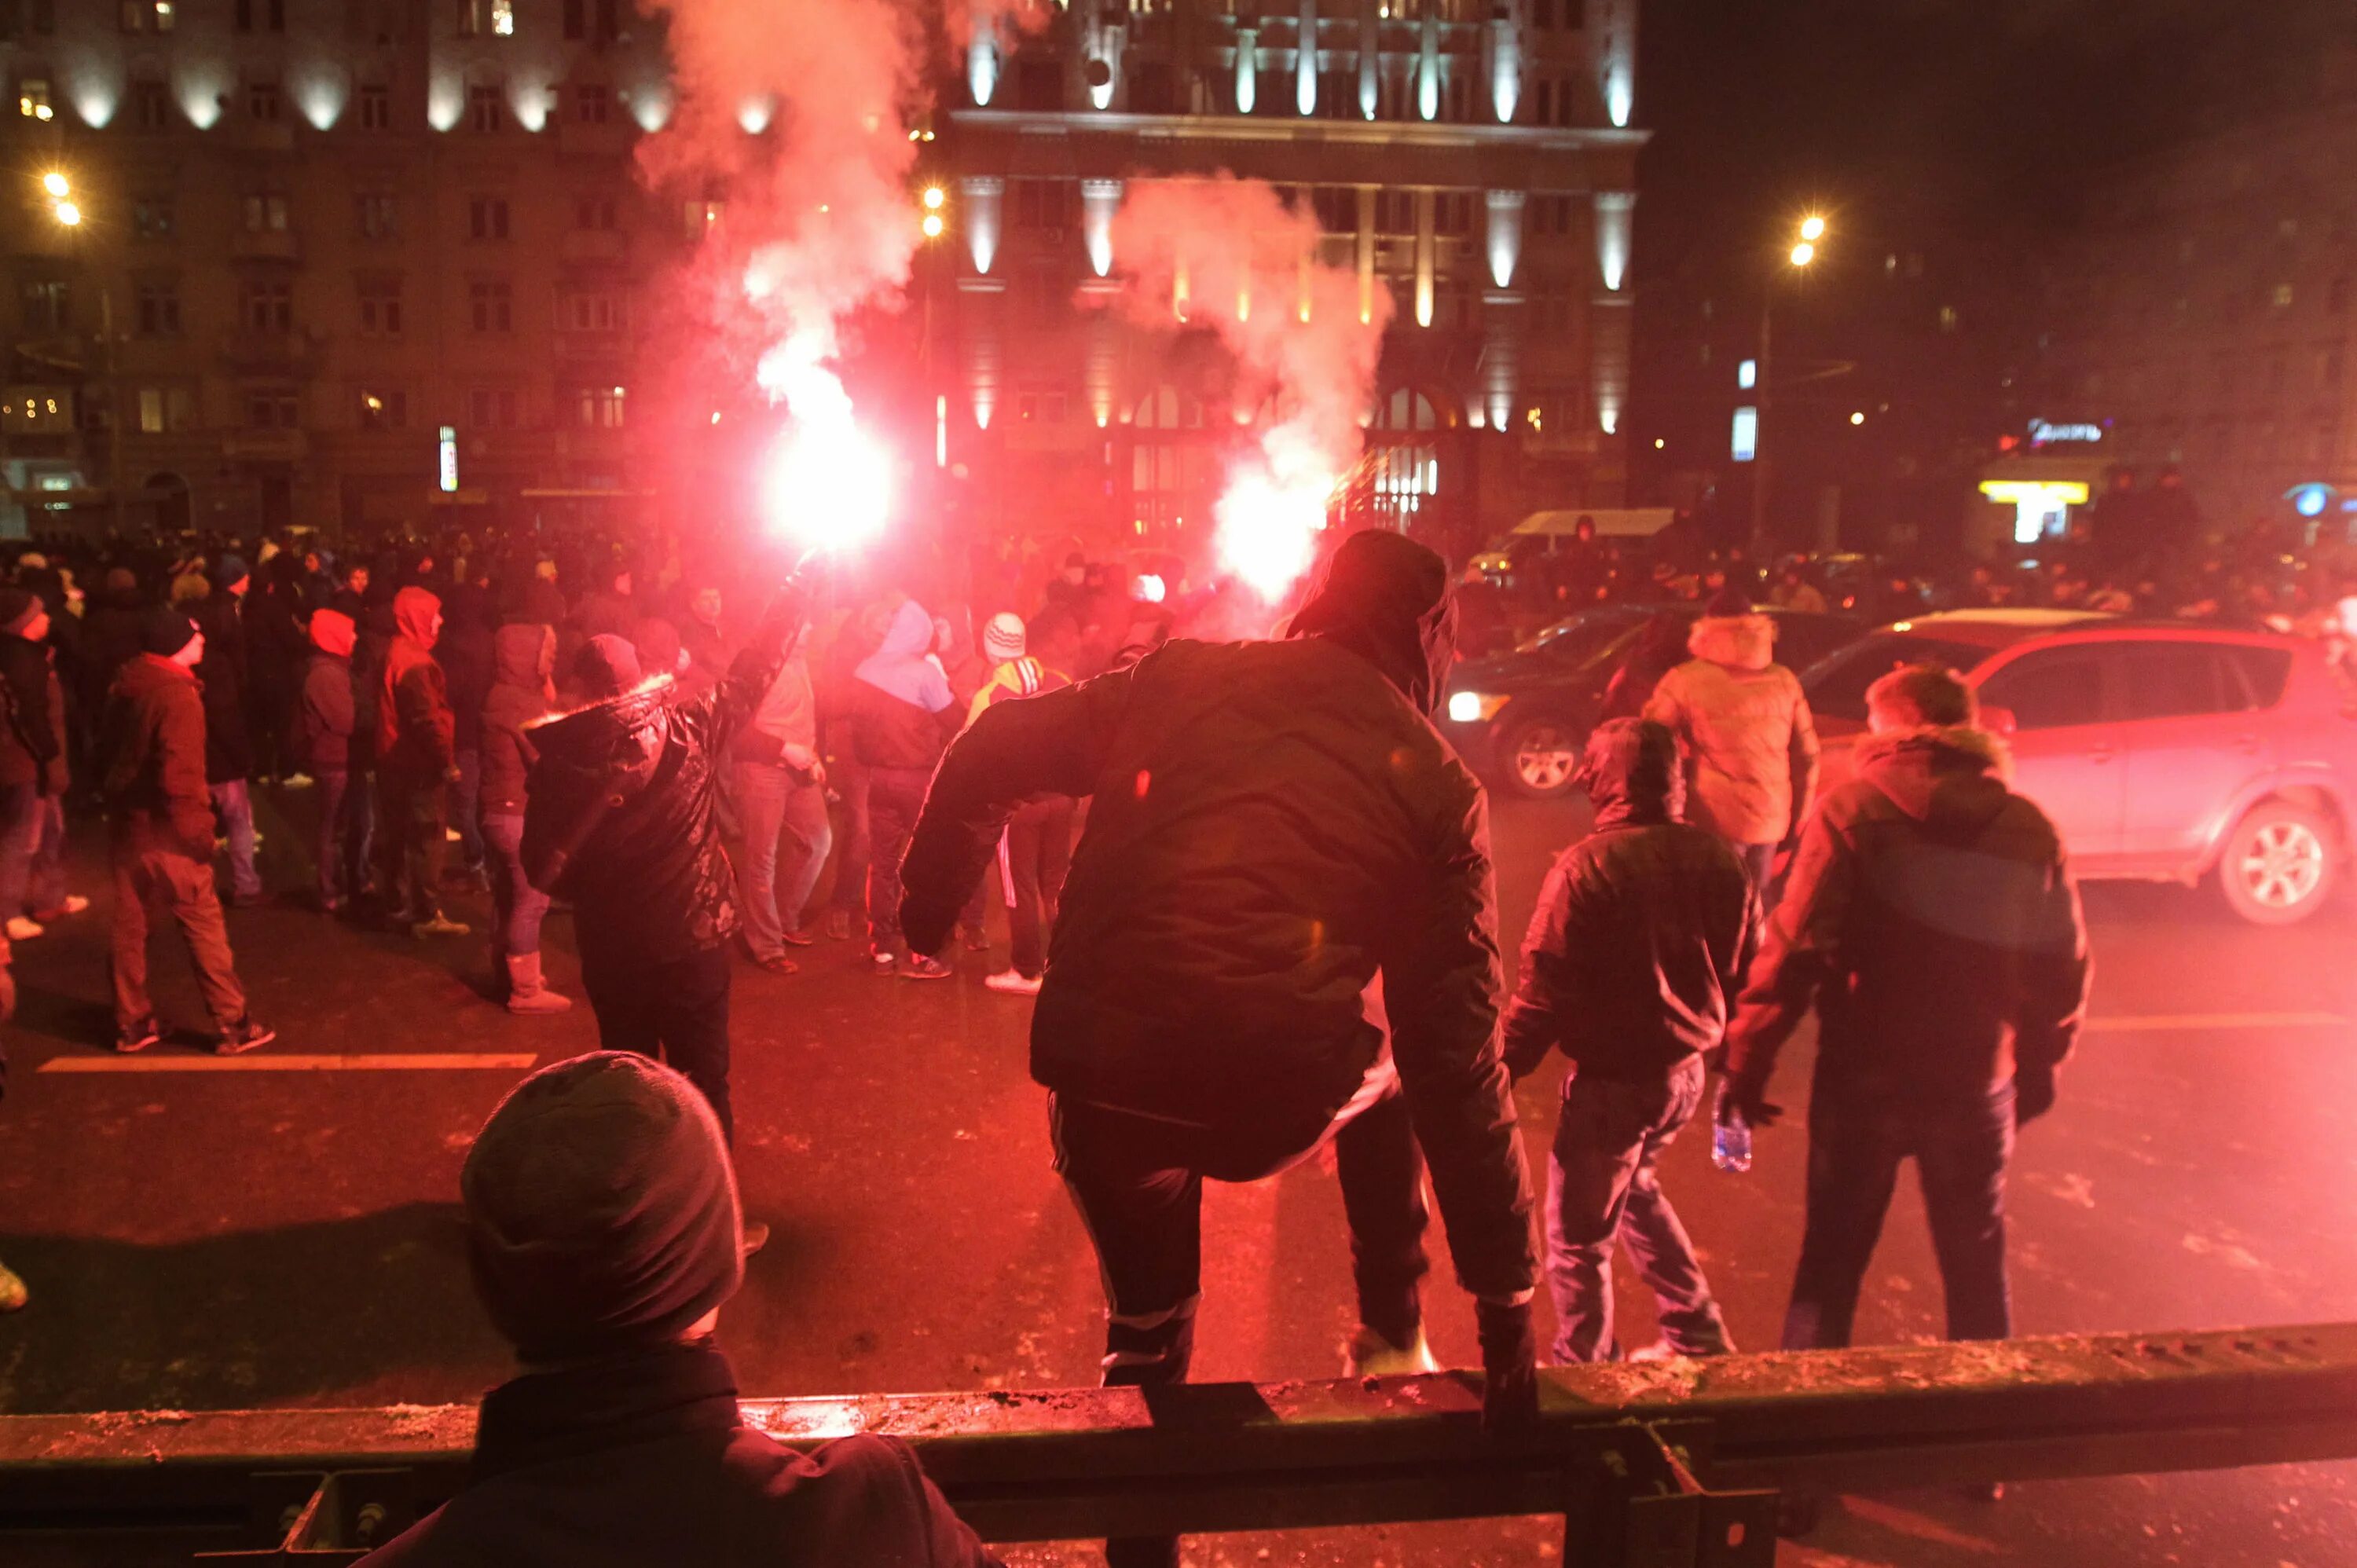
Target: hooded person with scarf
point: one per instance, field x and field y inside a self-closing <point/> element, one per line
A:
<point x="1282" y="852"/>
<point x="1744" y="726"/>
<point x="326" y="715"/>
<point x="416" y="763"/>
<point x="902" y="715"/>
<point x="1635" y="955"/>
<point x="522" y="693"/>
<point x="1933" y="922"/>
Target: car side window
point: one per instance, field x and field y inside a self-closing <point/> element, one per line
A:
<point x="2265" y="670"/>
<point x="2181" y="680"/>
<point x="2050" y="690"/>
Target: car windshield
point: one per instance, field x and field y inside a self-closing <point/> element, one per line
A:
<point x="1837" y="684"/>
<point x="1579" y="638"/>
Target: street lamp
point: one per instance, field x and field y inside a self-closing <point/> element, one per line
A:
<point x="1804" y="253"/>
<point x="67" y="213"/>
<point x="56" y="184"/>
<point x="1812" y="228"/>
<point x="1802" y="256"/>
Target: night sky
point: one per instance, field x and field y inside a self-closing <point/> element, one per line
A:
<point x="1997" y="113"/>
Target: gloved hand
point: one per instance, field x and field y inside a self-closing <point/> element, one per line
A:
<point x="2033" y="1095"/>
<point x="1509" y="1360"/>
<point x="1748" y="1098"/>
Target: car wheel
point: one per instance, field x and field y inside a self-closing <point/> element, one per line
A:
<point x="2279" y="863"/>
<point x="1542" y="758"/>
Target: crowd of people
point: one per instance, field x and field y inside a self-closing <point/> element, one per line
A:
<point x="1262" y="877"/>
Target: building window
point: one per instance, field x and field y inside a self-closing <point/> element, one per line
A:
<point x="271" y="14"/>
<point x="267" y="307"/>
<point x="594" y="310"/>
<point x="380" y="301"/>
<point x="591" y="103"/>
<point x="163" y="409"/>
<point x="471" y="18"/>
<point x="48" y="304"/>
<point x="148" y="15"/>
<point x="262" y="103"/>
<point x="1949" y="320"/>
<point x="376" y="109"/>
<point x="266" y="212"/>
<point x="2282" y="297"/>
<point x="151" y="218"/>
<point x="491" y="408"/>
<point x="703" y="216"/>
<point x="151" y="106"/>
<point x="598" y="408"/>
<point x="383" y="409"/>
<point x="491" y="306"/>
<point x="276" y="410"/>
<point x="374" y="215"/>
<point x="609" y="19"/>
<point x="576" y="19"/>
<point x="487" y="217"/>
<point x="1042" y="408"/>
<point x="159" y="311"/>
<point x="594" y="213"/>
<point x="33" y="98"/>
<point x="485" y="110"/>
<point x="503" y="18"/>
<point x="1044" y="203"/>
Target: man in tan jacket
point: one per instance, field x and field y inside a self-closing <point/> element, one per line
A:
<point x="1744" y="729"/>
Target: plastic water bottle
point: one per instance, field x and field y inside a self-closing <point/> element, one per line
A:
<point x="1730" y="1137"/>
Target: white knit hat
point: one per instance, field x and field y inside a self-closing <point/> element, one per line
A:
<point x="1002" y="639"/>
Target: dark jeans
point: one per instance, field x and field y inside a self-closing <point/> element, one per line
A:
<point x="151" y="880"/>
<point x="467" y="808"/>
<point x="1033" y="858"/>
<point x="1138" y="1184"/>
<point x="345" y="833"/>
<point x="676" y="1012"/>
<point x="895" y="796"/>
<point x="411" y="844"/>
<point x="850" y="894"/>
<point x="32" y="848"/>
<point x="517" y="907"/>
<point x="1855" y="1146"/>
<point x="1602" y="1186"/>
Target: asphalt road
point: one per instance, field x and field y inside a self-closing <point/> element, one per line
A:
<point x="275" y="1235"/>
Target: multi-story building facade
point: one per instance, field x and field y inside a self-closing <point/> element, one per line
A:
<point x="315" y="234"/>
<point x="2203" y="318"/>
<point x="1473" y="158"/>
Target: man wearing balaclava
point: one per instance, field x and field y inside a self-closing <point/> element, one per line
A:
<point x="1277" y="829"/>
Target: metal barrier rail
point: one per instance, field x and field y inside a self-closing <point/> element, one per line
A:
<point x="1662" y="1463"/>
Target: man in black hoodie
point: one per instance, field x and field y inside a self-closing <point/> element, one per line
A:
<point x="1932" y="922"/>
<point x="1635" y="955"/>
<point x="1276" y="826"/>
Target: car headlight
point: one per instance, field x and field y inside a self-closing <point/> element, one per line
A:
<point x="1473" y="707"/>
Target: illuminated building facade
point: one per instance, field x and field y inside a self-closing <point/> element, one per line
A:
<point x="313" y="233"/>
<point x="1472" y="158"/>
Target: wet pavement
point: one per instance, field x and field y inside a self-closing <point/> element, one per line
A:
<point x="287" y="1234"/>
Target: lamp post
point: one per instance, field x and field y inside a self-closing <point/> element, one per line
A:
<point x="69" y="216"/>
<point x="1802" y="256"/>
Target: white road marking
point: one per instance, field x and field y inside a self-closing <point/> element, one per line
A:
<point x="261" y="1062"/>
<point x="2177" y="1022"/>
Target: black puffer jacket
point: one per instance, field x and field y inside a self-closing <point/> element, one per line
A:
<point x="621" y="820"/>
<point x="1637" y="950"/>
<point x="228" y="745"/>
<point x="1930" y="916"/>
<point x="1274" y="824"/>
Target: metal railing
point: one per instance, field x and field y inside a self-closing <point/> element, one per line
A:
<point x="1675" y="1463"/>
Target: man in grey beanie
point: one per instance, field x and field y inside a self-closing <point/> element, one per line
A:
<point x="604" y="1236"/>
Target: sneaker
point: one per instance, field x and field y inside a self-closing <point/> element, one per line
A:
<point x="1370" y="1354"/>
<point x="776" y="962"/>
<point x="839" y="925"/>
<point x="75" y="904"/>
<point x="241" y="1037"/>
<point x="439" y="925"/>
<point x="881" y="960"/>
<point x="297" y="781"/>
<point x="975" y="938"/>
<point x="756" y="1236"/>
<point x="12" y="1293"/>
<point x="797" y="938"/>
<point x="1013" y="983"/>
<point x="137" y="1037"/>
<point x="22" y="929"/>
<point x="917" y="966"/>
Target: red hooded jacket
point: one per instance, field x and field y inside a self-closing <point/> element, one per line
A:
<point x="415" y="729"/>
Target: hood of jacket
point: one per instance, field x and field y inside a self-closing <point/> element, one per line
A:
<point x="143" y="674"/>
<point x="1631" y="771"/>
<point x="332" y="632"/>
<point x="1738" y="642"/>
<point x="525" y="655"/>
<point x="898" y="665"/>
<point x="1385" y="598"/>
<point x="1941" y="777"/>
<point x="413" y="610"/>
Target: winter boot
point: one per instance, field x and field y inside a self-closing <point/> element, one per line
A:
<point x="527" y="993"/>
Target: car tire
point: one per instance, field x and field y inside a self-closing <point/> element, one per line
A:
<point x="2279" y="863"/>
<point x="1540" y="757"/>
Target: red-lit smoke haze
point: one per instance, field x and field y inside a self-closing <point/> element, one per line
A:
<point x="1228" y="255"/>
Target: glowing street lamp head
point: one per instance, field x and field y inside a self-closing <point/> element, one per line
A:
<point x="933" y="225"/>
<point x="1812" y="228"/>
<point x="1804" y="253"/>
<point x="56" y="184"/>
<point x="826" y="485"/>
<point x="68" y="214"/>
<point x="934" y="197"/>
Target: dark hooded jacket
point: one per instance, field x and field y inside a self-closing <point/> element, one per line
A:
<point x="621" y="818"/>
<point x="1931" y="917"/>
<point x="32" y="740"/>
<point x="154" y="786"/>
<point x="229" y="744"/>
<point x="327" y="713"/>
<point x="525" y="657"/>
<point x="415" y="728"/>
<point x="464" y="652"/>
<point x="901" y="709"/>
<point x="1275" y="824"/>
<point x="109" y="635"/>
<point x="1638" y="947"/>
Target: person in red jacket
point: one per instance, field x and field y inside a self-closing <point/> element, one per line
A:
<point x="605" y="1235"/>
<point x="162" y="839"/>
<point x="416" y="763"/>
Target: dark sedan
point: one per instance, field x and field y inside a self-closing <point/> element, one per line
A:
<point x="1519" y="719"/>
